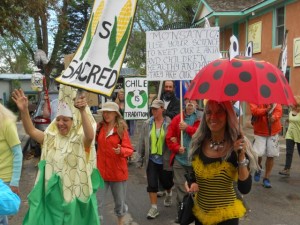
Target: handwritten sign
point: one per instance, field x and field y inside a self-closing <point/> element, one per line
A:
<point x="136" y="101"/>
<point x="296" y="52"/>
<point x="99" y="58"/>
<point x="180" y="54"/>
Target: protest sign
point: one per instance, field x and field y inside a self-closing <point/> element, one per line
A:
<point x="180" y="54"/>
<point x="136" y="100"/>
<point x="98" y="60"/>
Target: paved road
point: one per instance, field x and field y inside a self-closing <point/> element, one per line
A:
<point x="279" y="205"/>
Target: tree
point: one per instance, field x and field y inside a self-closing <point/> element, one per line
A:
<point x="15" y="14"/>
<point x="77" y="17"/>
<point x="155" y="15"/>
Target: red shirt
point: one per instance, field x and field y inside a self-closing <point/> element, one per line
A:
<point x="112" y="166"/>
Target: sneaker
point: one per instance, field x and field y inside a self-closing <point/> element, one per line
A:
<point x="257" y="175"/>
<point x="153" y="213"/>
<point x="160" y="193"/>
<point x="285" y="172"/>
<point x="168" y="201"/>
<point x="177" y="220"/>
<point x="267" y="183"/>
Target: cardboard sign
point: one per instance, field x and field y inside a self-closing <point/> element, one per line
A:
<point x="98" y="60"/>
<point x="180" y="54"/>
<point x="136" y="98"/>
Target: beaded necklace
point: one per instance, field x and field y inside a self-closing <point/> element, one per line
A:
<point x="215" y="145"/>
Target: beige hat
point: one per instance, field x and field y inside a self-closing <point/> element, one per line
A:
<point x="111" y="107"/>
<point x="157" y="104"/>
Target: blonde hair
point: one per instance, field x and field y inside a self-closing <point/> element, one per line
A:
<point x="121" y="125"/>
<point x="6" y="114"/>
<point x="232" y="133"/>
<point x="119" y="92"/>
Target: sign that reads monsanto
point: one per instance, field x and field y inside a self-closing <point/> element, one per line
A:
<point x="98" y="60"/>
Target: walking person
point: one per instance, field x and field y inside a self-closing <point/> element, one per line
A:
<point x="114" y="147"/>
<point x="292" y="137"/>
<point x="153" y="150"/>
<point x="11" y="156"/>
<point x="171" y="102"/>
<point x="179" y="152"/>
<point x="64" y="192"/>
<point x="219" y="159"/>
<point x="267" y="127"/>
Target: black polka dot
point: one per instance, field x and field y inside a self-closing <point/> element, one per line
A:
<point x="235" y="46"/>
<point x="217" y="63"/>
<point x="218" y="74"/>
<point x="260" y="65"/>
<point x="245" y="76"/>
<point x="231" y="89"/>
<point x="237" y="64"/>
<point x="271" y="77"/>
<point x="203" y="88"/>
<point x="265" y="91"/>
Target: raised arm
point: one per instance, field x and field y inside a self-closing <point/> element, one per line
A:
<point x="21" y="101"/>
<point x="89" y="134"/>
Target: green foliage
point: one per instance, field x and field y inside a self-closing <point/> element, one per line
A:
<point x="151" y="16"/>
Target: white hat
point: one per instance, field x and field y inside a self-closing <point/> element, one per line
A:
<point x="111" y="107"/>
<point x="64" y="110"/>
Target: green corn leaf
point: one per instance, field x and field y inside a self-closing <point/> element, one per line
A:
<point x="121" y="45"/>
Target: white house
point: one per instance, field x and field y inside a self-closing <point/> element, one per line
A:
<point x="6" y="85"/>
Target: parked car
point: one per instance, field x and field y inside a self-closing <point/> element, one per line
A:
<point x="39" y="121"/>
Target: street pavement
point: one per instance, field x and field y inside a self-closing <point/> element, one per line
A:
<point x="279" y="205"/>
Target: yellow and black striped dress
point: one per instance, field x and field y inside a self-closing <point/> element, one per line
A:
<point x="216" y="200"/>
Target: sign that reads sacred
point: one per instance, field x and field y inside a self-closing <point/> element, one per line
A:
<point x="180" y="54"/>
<point x="136" y="98"/>
<point x="98" y="60"/>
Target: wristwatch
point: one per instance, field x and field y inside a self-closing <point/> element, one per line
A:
<point x="244" y="163"/>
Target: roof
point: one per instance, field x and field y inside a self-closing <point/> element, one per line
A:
<point x="231" y="5"/>
<point x="227" y="12"/>
<point x="13" y="76"/>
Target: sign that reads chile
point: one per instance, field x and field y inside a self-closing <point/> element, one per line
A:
<point x="98" y="60"/>
<point x="136" y="100"/>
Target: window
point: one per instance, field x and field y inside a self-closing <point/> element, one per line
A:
<point x="279" y="26"/>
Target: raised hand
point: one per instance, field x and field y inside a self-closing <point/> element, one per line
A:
<point x="20" y="99"/>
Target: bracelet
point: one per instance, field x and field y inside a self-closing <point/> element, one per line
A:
<point x="244" y="163"/>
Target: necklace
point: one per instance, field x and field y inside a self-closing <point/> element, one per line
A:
<point x="215" y="145"/>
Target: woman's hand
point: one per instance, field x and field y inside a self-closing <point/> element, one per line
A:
<point x="118" y="149"/>
<point x="80" y="102"/>
<point x="239" y="146"/>
<point x="193" y="188"/>
<point x="20" y="99"/>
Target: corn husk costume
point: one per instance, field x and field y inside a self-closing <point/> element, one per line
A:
<point x="67" y="180"/>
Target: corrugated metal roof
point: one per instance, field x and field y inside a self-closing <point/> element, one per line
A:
<point x="13" y="76"/>
<point x="231" y="5"/>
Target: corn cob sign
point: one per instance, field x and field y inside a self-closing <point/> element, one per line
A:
<point x="98" y="60"/>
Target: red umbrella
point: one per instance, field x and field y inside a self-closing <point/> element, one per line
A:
<point x="242" y="78"/>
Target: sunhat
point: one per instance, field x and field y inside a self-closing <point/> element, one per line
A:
<point x="157" y="104"/>
<point x="110" y="107"/>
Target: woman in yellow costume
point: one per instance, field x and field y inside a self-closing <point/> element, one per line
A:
<point x="220" y="158"/>
<point x="64" y="192"/>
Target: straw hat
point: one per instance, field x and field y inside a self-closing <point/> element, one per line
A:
<point x="110" y="107"/>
